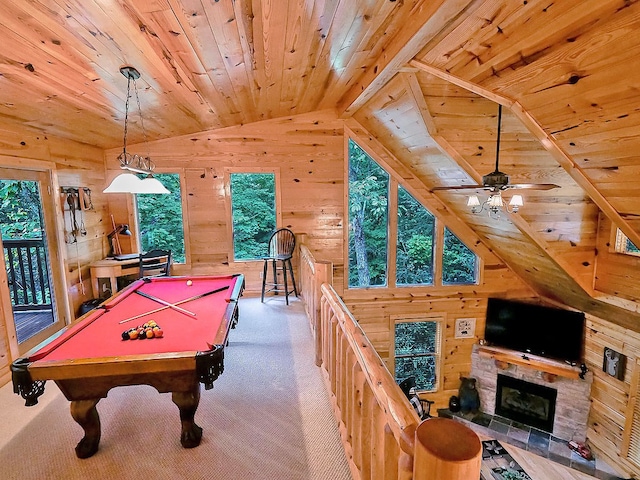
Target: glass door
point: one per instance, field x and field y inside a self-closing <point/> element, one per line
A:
<point x="28" y="235"/>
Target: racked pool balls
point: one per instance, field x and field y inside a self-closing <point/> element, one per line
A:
<point x="149" y="330"/>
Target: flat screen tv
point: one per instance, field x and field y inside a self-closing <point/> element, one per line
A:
<point x="545" y="331"/>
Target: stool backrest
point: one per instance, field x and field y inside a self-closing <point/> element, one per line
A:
<point x="282" y="243"/>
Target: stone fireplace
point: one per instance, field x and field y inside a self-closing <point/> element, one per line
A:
<point x="526" y="395"/>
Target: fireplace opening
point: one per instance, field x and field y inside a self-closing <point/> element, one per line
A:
<point x="525" y="402"/>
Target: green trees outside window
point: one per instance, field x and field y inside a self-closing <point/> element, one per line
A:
<point x="368" y="219"/>
<point x="160" y="218"/>
<point x="416" y="226"/>
<point x="416" y="352"/>
<point x="416" y="248"/>
<point x="459" y="263"/>
<point x="20" y="215"/>
<point x="253" y="207"/>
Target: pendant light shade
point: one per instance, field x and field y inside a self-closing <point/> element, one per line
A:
<point x="129" y="182"/>
<point x="124" y="183"/>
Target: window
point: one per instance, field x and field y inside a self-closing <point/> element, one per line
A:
<point x="368" y="220"/>
<point x="414" y="257"/>
<point x="160" y="218"/>
<point x="422" y="244"/>
<point x="417" y="351"/>
<point x="253" y="210"/>
<point x="459" y="263"/>
<point x="624" y="245"/>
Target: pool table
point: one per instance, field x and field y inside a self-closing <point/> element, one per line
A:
<point x="91" y="356"/>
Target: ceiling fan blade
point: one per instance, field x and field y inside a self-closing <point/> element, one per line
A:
<point x="534" y="186"/>
<point x="458" y="187"/>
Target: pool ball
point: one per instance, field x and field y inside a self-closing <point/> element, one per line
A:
<point x="189" y="283"/>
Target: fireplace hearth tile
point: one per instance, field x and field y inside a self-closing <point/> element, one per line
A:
<point x="566" y="461"/>
<point x="559" y="447"/>
<point x="519" y="434"/>
<point x="583" y="465"/>
<point x="482" y="419"/>
<point x="539" y="442"/>
<point x="521" y="426"/>
<point x="499" y="427"/>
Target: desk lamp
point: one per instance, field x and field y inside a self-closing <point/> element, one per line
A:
<point x="114" y="243"/>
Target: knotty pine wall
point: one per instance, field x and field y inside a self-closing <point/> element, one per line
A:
<point x="610" y="396"/>
<point x="70" y="164"/>
<point x="305" y="151"/>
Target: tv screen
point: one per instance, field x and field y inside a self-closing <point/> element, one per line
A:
<point x="535" y="329"/>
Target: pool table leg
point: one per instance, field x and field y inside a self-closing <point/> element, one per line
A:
<point x="85" y="414"/>
<point x="187" y="403"/>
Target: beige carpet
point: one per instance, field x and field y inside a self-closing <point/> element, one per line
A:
<point x="267" y="417"/>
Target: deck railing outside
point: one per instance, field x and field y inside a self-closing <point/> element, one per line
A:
<point x="27" y="272"/>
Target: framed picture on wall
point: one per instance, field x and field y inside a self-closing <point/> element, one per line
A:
<point x="613" y="363"/>
<point x="465" y="327"/>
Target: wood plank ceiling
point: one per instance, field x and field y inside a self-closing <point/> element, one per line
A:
<point x="423" y="76"/>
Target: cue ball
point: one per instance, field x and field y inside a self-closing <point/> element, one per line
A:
<point x="189" y="282"/>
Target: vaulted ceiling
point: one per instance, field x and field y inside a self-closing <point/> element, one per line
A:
<point x="425" y="77"/>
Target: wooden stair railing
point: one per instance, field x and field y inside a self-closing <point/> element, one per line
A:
<point x="312" y="275"/>
<point x="377" y="423"/>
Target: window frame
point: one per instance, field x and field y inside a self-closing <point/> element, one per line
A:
<point x="392" y="226"/>
<point x="440" y="321"/>
<point x="620" y="243"/>
<point x="229" y="207"/>
<point x="185" y="223"/>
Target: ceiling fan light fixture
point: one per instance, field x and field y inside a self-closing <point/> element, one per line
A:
<point x="495" y="204"/>
<point x="473" y="201"/>
<point x="516" y="202"/>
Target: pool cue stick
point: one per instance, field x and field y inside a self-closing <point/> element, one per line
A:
<point x="195" y="297"/>
<point x="117" y="249"/>
<point x="164" y="302"/>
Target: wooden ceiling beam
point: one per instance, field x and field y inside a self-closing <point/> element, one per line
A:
<point x="517" y="220"/>
<point x="547" y="141"/>
<point x="425" y="21"/>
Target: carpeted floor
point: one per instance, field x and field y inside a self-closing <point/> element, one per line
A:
<point x="267" y="417"/>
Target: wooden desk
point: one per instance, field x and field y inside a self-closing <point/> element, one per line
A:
<point x="112" y="269"/>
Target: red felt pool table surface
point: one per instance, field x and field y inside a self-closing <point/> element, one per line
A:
<point x="99" y="333"/>
<point x="90" y="357"/>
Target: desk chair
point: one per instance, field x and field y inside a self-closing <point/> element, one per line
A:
<point x="155" y="263"/>
<point x="281" y="246"/>
<point x="421" y="406"/>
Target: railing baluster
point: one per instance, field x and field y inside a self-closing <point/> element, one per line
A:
<point x="32" y="283"/>
<point x="27" y="272"/>
<point x="42" y="275"/>
<point x="12" y="274"/>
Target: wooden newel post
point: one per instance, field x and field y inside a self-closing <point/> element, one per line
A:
<point x="324" y="274"/>
<point x="446" y="450"/>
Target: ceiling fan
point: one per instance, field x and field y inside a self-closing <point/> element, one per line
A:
<point x="497" y="180"/>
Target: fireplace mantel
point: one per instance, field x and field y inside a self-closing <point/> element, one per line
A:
<point x="574" y="393"/>
<point x="547" y="365"/>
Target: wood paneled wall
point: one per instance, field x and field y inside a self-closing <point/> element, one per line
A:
<point x="70" y="164"/>
<point x="609" y="396"/>
<point x="375" y="310"/>
<point x="617" y="274"/>
<point x="305" y="151"/>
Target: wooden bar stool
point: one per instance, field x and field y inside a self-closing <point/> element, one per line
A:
<point x="281" y="246"/>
